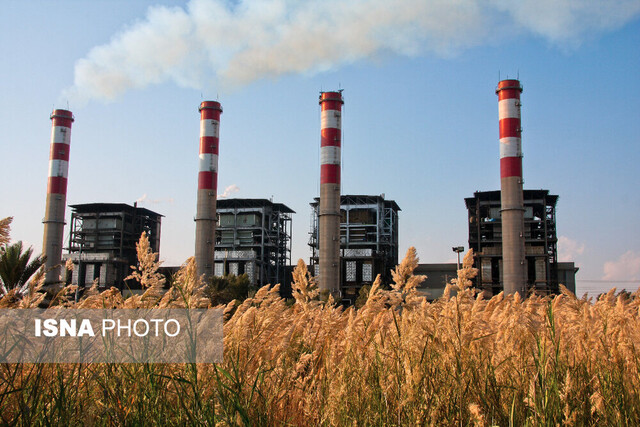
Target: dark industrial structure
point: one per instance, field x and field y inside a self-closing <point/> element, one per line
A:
<point x="253" y="237"/>
<point x="368" y="241"/>
<point x="486" y="234"/>
<point x="102" y="241"/>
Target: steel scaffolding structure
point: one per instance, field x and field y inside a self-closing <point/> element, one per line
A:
<point x="102" y="241"/>
<point x="253" y="237"/>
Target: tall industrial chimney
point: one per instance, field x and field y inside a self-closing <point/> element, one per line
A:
<point x="207" y="187"/>
<point x="61" y="121"/>
<point x="329" y="209"/>
<point x="513" y="252"/>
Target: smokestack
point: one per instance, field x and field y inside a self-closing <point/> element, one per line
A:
<point x="513" y="255"/>
<point x="207" y="187"/>
<point x="329" y="210"/>
<point x="61" y="121"/>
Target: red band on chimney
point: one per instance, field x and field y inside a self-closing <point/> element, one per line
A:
<point x="510" y="128"/>
<point x="329" y="174"/>
<point x="209" y="144"/>
<point x="207" y="180"/>
<point x="57" y="185"/>
<point x="59" y="151"/>
<point x="510" y="166"/>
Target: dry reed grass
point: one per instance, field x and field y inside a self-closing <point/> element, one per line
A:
<point x="4" y="229"/>
<point x="398" y="360"/>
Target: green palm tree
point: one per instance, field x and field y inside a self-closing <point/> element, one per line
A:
<point x="16" y="266"/>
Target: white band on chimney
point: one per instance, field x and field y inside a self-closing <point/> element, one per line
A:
<point x="510" y="147"/>
<point x="330" y="155"/>
<point x="330" y="119"/>
<point x="58" y="168"/>
<point x="509" y="108"/>
<point x="60" y="135"/>
<point x="208" y="162"/>
<point x="210" y="127"/>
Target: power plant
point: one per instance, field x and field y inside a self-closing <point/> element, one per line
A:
<point x="61" y="121"/>
<point x="353" y="237"/>
<point x="207" y="187"/>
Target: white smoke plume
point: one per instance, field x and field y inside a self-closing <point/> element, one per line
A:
<point x="217" y="43"/>
<point x="229" y="191"/>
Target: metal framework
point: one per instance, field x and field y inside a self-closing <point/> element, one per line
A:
<point x="485" y="238"/>
<point x="368" y="240"/>
<point x="102" y="241"/>
<point x="253" y="237"/>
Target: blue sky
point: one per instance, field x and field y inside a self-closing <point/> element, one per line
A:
<point x="420" y="117"/>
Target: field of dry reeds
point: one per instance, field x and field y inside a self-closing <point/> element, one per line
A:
<point x="397" y="360"/>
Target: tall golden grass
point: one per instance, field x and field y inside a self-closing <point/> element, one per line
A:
<point x="398" y="360"/>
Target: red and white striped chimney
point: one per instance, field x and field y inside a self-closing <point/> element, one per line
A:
<point x="61" y="121"/>
<point x="207" y="187"/>
<point x="513" y="245"/>
<point x="329" y="209"/>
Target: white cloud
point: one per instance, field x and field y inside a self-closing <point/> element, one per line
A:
<point x="569" y="250"/>
<point x="212" y="41"/>
<point x="625" y="268"/>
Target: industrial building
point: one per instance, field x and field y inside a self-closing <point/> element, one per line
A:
<point x="102" y="241"/>
<point x="368" y="241"/>
<point x="486" y="240"/>
<point x="253" y="237"/>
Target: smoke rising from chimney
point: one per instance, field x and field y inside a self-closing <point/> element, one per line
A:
<point x="144" y="199"/>
<point x="215" y="43"/>
<point x="231" y="189"/>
